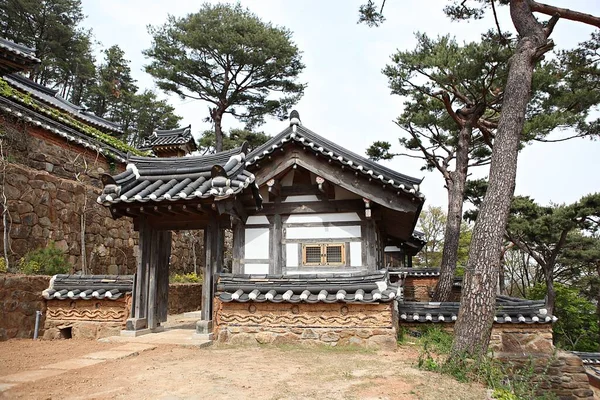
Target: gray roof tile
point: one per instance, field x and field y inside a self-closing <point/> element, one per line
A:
<point x="321" y="288"/>
<point x="303" y="136"/>
<point x="52" y="98"/>
<point x="508" y="310"/>
<point x="178" y="178"/>
<point x="87" y="287"/>
<point x="171" y="137"/>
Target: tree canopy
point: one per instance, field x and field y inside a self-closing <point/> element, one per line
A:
<point x="226" y="56"/>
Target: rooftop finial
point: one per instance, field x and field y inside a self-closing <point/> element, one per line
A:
<point x="294" y="118"/>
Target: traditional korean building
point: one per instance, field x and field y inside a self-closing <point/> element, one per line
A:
<point x="310" y="223"/>
<point x="171" y="143"/>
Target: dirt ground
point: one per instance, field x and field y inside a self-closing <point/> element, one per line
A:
<point x="170" y="372"/>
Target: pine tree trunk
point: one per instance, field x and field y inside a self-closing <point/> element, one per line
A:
<point x="478" y="301"/>
<point x="456" y="189"/>
<point x="456" y="192"/>
<point x="218" y="135"/>
<point x="550" y="292"/>
<point x="217" y="117"/>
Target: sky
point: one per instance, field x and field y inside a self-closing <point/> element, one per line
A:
<point x="347" y="99"/>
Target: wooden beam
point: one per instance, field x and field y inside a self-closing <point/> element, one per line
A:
<point x="311" y="207"/>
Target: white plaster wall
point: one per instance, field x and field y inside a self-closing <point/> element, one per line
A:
<point x="257" y="243"/>
<point x="291" y="254"/>
<point x="329" y="217"/>
<point x="256" y="269"/>
<point x="355" y="254"/>
<point x="257" y="220"/>
<point x="323" y="232"/>
<point x="300" y="199"/>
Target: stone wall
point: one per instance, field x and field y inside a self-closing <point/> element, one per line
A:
<point x="365" y="325"/>
<point x="184" y="297"/>
<point x="562" y="374"/>
<point x="46" y="208"/>
<point x="519" y="338"/>
<point x="20" y="298"/>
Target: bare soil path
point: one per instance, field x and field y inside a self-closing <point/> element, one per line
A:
<point x="171" y="372"/>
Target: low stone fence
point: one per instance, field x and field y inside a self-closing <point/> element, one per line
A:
<point x="562" y="374"/>
<point x="20" y="298"/>
<point x="184" y="297"/>
<point x="310" y="324"/>
<point x="506" y="338"/>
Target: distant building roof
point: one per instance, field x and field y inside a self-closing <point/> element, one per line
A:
<point x="52" y="98"/>
<point x="180" y="138"/>
<point x="15" y="57"/>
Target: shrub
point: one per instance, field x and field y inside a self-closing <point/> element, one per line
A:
<point x="49" y="260"/>
<point x="186" y="278"/>
<point x="3" y="265"/>
<point x="577" y="325"/>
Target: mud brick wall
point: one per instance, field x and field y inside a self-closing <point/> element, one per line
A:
<point x="86" y="319"/>
<point x="20" y="298"/>
<point x="365" y="325"/>
<point x="419" y="288"/>
<point x="184" y="297"/>
<point x="564" y="374"/>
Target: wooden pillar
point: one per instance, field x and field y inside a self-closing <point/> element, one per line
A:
<point x="239" y="239"/>
<point x="219" y="248"/>
<point x="152" y="272"/>
<point x="276" y="234"/>
<point x="140" y="301"/>
<point x="371" y="245"/>
<point x="211" y="236"/>
<point x="162" y="281"/>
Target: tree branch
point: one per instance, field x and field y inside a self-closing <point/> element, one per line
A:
<point x="564" y="13"/>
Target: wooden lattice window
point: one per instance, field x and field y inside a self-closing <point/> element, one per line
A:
<point x="324" y="254"/>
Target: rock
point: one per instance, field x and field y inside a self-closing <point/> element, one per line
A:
<point x="380" y="342"/>
<point x="286" y="338"/>
<point x="244" y="339"/>
<point x="85" y="330"/>
<point x="264" y="337"/>
<point x="309" y="334"/>
<point x="328" y="337"/>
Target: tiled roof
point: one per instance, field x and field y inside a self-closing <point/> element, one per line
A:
<point x="326" y="288"/>
<point x="178" y="178"/>
<point x="171" y="137"/>
<point x="16" y="57"/>
<point x="52" y="98"/>
<point x="416" y="271"/>
<point x="66" y="132"/>
<point x="337" y="154"/>
<point x="19" y="49"/>
<point x="508" y="310"/>
<point x="86" y="287"/>
<point x="588" y="358"/>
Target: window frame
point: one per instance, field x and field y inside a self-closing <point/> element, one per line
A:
<point x="323" y="254"/>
